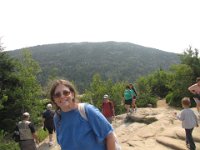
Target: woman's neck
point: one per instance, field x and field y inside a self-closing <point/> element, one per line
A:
<point x="69" y="107"/>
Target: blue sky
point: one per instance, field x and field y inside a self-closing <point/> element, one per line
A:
<point x="169" y="25"/>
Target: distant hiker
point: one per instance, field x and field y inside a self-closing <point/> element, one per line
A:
<point x="195" y="89"/>
<point x="26" y="131"/>
<point x="48" y="122"/>
<point x="189" y="121"/>
<point x="134" y="93"/>
<point x="108" y="108"/>
<point x="128" y="98"/>
<point x="73" y="131"/>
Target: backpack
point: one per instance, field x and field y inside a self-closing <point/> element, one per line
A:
<point x="127" y="94"/>
<point x="81" y="109"/>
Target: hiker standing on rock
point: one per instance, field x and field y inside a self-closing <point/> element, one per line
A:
<point x="195" y="89"/>
<point x="134" y="93"/>
<point x="48" y="122"/>
<point x="73" y="131"/>
<point x="108" y="108"/>
<point x="189" y="121"/>
<point x="128" y="98"/>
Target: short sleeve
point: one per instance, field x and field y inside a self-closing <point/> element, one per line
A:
<point x="98" y="122"/>
<point x="31" y="126"/>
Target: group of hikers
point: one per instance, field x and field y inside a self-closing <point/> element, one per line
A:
<point x="83" y="126"/>
<point x="25" y="132"/>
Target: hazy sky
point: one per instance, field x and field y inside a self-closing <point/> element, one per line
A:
<point x="169" y="25"/>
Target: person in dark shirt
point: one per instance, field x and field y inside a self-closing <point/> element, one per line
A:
<point x="48" y="122"/>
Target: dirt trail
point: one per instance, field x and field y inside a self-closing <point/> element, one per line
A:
<point x="162" y="103"/>
<point x="45" y="146"/>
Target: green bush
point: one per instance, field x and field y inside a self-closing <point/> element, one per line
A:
<point x="144" y="99"/>
<point x="41" y="134"/>
<point x="169" y="97"/>
<point x="7" y="144"/>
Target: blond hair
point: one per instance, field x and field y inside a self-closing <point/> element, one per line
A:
<point x="186" y="101"/>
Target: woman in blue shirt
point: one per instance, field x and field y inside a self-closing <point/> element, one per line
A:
<point x="72" y="130"/>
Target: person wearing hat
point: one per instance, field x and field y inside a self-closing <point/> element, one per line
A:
<point x="48" y="122"/>
<point x="108" y="108"/>
<point x="26" y="131"/>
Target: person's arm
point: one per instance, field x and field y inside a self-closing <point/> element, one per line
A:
<point x="113" y="109"/>
<point x="110" y="141"/>
<point x="32" y="128"/>
<point x="102" y="108"/>
<point x="36" y="138"/>
<point x="191" y="89"/>
<point x="135" y="91"/>
<point x="180" y="116"/>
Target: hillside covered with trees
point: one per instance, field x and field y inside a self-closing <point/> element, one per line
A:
<point x="112" y="60"/>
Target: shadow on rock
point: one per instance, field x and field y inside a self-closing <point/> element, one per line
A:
<point x="139" y="119"/>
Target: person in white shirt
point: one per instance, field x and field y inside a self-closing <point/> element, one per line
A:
<point x="189" y="121"/>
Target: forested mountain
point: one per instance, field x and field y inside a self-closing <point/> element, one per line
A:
<point x="119" y="61"/>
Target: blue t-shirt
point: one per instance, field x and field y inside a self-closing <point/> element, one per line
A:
<point x="75" y="133"/>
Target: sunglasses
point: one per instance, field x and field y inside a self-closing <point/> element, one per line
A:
<point x="59" y="94"/>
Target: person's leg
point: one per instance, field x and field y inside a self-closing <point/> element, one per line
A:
<point x="128" y="104"/>
<point x="127" y="108"/>
<point x="134" y="105"/>
<point x="190" y="139"/>
<point x="186" y="139"/>
<point x="50" y="131"/>
<point x="50" y="138"/>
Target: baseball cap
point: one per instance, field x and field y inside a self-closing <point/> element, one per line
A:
<point x="26" y="114"/>
<point x="105" y="96"/>
<point x="49" y="106"/>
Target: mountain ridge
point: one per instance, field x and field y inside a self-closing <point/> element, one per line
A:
<point x="119" y="61"/>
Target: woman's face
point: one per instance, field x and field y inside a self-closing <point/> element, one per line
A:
<point x="63" y="97"/>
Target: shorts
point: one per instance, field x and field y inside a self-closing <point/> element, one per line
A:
<point x="128" y="102"/>
<point x="50" y="130"/>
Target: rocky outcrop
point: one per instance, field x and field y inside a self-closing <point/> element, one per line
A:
<point x="153" y="128"/>
<point x="148" y="129"/>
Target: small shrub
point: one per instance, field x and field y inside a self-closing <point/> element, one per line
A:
<point x="7" y="144"/>
<point x="144" y="99"/>
<point x="42" y="134"/>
